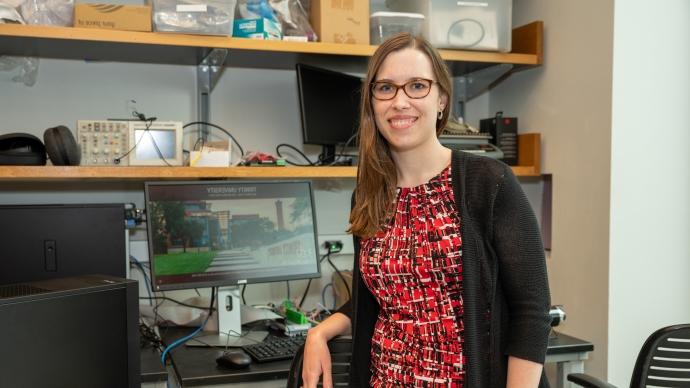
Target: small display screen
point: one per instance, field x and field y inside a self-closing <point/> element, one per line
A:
<point x="148" y="140"/>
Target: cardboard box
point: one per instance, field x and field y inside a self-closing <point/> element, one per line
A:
<point x="113" y="16"/>
<point x="341" y="21"/>
<point x="212" y="154"/>
<point x="256" y="29"/>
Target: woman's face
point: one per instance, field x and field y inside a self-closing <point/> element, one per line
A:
<point x="407" y="123"/>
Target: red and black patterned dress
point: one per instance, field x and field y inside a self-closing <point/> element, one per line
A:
<point x="413" y="267"/>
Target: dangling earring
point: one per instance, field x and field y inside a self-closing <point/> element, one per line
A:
<point x="440" y="115"/>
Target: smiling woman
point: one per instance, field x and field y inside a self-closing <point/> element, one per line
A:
<point x="433" y="229"/>
<point x="391" y="120"/>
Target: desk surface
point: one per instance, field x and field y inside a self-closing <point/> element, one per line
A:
<point x="197" y="366"/>
<point x="151" y="368"/>
<point x="560" y="343"/>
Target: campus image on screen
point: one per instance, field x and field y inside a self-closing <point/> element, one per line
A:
<point x="228" y="233"/>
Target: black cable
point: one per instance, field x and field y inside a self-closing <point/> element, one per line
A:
<point x="198" y="141"/>
<point x="155" y="145"/>
<point x="304" y="296"/>
<point x="138" y="265"/>
<point x="148" y="336"/>
<point x="159" y="301"/>
<point x="219" y="128"/>
<point x="466" y="20"/>
<point x="298" y="151"/>
<point x="150" y="123"/>
<point x="340" y="154"/>
<point x="349" y="295"/>
<point x="306" y="290"/>
<point x="287" y="282"/>
<point x="162" y="298"/>
<point x="323" y="295"/>
<point x="244" y="287"/>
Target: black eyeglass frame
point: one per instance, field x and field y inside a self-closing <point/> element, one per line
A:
<point x="398" y="87"/>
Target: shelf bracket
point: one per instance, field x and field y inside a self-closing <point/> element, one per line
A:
<point x="471" y="85"/>
<point x="208" y="73"/>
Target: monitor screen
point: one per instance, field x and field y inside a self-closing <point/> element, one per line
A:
<point x="225" y="233"/>
<point x="154" y="144"/>
<point x="39" y="242"/>
<point x="329" y="105"/>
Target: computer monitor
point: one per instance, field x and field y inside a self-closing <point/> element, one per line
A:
<point x="229" y="233"/>
<point x="39" y="242"/>
<point x="329" y="106"/>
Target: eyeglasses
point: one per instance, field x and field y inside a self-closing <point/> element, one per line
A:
<point x="416" y="88"/>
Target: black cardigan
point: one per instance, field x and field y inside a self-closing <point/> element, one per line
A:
<point x="504" y="274"/>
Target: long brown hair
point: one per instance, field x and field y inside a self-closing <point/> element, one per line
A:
<point x="376" y="175"/>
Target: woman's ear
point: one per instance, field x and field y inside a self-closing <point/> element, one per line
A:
<point x="443" y="101"/>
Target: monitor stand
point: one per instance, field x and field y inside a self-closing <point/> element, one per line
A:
<point x="328" y="157"/>
<point x="230" y="333"/>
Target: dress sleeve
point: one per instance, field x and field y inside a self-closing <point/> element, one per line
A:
<point x="522" y="271"/>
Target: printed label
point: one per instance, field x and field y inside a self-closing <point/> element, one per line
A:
<point x="191" y="8"/>
<point x="473" y="4"/>
<point x="348" y="5"/>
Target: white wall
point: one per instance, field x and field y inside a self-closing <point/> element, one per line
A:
<point x="568" y="100"/>
<point x="650" y="177"/>
<point x="258" y="106"/>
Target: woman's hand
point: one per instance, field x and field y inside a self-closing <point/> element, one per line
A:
<point x="317" y="358"/>
<point x="316" y="361"/>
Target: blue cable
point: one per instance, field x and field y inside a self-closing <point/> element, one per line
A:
<point x="182" y="340"/>
<point x="143" y="271"/>
<point x="179" y="341"/>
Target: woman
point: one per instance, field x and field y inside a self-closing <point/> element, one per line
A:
<point x="449" y="282"/>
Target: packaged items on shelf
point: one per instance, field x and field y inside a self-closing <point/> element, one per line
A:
<point x="47" y="12"/>
<point x="341" y="21"/>
<point x="294" y="20"/>
<point x="113" y="16"/>
<point x="205" y="17"/>
<point x="467" y="25"/>
<point x="385" y="24"/>
<point x="261" y="28"/>
<point x="290" y="15"/>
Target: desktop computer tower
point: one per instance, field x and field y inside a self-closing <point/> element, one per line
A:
<point x="70" y="332"/>
<point x="40" y="242"/>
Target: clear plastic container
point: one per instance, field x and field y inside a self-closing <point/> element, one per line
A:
<point x="468" y="25"/>
<point x="206" y="17"/>
<point x="385" y="24"/>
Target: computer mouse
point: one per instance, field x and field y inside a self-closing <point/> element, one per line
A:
<point x="235" y="358"/>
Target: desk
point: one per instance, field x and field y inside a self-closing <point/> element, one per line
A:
<point x="197" y="366"/>
<point x="153" y="374"/>
<point x="569" y="354"/>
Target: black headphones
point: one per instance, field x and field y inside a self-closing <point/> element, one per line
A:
<point x="21" y="149"/>
<point x="61" y="146"/>
<point x="25" y="149"/>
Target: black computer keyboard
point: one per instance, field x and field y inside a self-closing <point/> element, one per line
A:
<point x="274" y="349"/>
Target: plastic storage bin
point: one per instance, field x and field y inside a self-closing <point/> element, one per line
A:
<point x="205" y="17"/>
<point x="467" y="25"/>
<point x="385" y="24"/>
